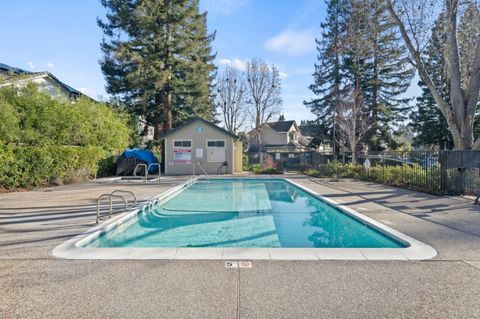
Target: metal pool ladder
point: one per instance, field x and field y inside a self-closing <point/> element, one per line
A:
<point x="147" y="168"/>
<point x="146" y="171"/>
<point x="203" y="170"/>
<point x="110" y="198"/>
<point x="159" y="169"/>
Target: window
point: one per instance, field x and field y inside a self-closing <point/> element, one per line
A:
<point x="293" y="136"/>
<point x="219" y="143"/>
<point x="182" y="152"/>
<point x="215" y="150"/>
<point x="182" y="143"/>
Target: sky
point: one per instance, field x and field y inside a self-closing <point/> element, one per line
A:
<point x="62" y="37"/>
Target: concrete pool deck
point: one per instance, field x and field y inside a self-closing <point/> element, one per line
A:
<point x="35" y="284"/>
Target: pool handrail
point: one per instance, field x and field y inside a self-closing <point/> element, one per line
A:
<point x="110" y="196"/>
<point x="159" y="169"/>
<point x="203" y="170"/>
<point x="125" y="192"/>
<point x="146" y="170"/>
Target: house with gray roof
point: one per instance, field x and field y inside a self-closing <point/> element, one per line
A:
<point x="12" y="76"/>
<point x="280" y="136"/>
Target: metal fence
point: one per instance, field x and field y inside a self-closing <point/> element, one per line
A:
<point x="437" y="172"/>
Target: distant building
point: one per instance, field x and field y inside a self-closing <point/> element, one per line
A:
<point x="310" y="131"/>
<point x="280" y="136"/>
<point x="11" y="76"/>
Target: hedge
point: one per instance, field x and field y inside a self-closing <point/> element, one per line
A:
<point x="30" y="166"/>
<point x="409" y="176"/>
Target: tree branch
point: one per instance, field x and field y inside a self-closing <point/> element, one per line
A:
<point x="442" y="105"/>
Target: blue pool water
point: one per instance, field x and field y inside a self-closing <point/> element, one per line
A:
<point x="245" y="213"/>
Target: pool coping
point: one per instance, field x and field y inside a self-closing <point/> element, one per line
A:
<point x="71" y="249"/>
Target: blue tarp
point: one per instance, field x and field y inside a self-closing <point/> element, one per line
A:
<point x="143" y="155"/>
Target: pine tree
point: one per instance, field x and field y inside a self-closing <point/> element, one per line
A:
<point x="327" y="84"/>
<point x="360" y="49"/>
<point x="157" y="57"/>
<point x="194" y="96"/>
<point x="377" y="59"/>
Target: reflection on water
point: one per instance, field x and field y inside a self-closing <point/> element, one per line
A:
<point x="244" y="213"/>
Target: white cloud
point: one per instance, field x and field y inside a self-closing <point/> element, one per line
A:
<point x="30" y="65"/>
<point x="292" y="42"/>
<point x="50" y="65"/>
<point x="83" y="90"/>
<point x="283" y="75"/>
<point x="223" y="7"/>
<point x="235" y="63"/>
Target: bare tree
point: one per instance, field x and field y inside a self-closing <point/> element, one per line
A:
<point x="412" y="19"/>
<point x="231" y="93"/>
<point x="264" y="94"/>
<point x="353" y="122"/>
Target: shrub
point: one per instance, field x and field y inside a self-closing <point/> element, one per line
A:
<point x="267" y="170"/>
<point x="409" y="176"/>
<point x="35" y="118"/>
<point x="107" y="166"/>
<point x="45" y="140"/>
<point x="29" y="166"/>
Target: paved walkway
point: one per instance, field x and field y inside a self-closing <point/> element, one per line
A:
<point x="33" y="284"/>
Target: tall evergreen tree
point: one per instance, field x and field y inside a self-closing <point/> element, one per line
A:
<point x="360" y="48"/>
<point x="157" y="58"/>
<point x="194" y="94"/>
<point x="327" y="84"/>
<point x="388" y="75"/>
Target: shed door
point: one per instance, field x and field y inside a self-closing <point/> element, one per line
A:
<point x="216" y="150"/>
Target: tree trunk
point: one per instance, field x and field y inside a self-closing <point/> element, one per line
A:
<point x="157" y="131"/>
<point x="454" y="112"/>
<point x="167" y="111"/>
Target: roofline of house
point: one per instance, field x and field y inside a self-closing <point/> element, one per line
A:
<point x="34" y="75"/>
<point x="188" y="122"/>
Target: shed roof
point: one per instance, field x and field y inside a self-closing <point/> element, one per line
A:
<point x="191" y="121"/>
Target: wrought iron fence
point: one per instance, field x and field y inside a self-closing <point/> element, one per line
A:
<point x="437" y="172"/>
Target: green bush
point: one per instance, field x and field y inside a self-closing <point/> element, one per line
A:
<point x="33" y="117"/>
<point x="107" y="166"/>
<point x="45" y="140"/>
<point x="266" y="170"/>
<point x="245" y="165"/>
<point x="28" y="166"/>
<point x="252" y="167"/>
<point x="409" y="176"/>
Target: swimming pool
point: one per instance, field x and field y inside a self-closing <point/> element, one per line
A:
<point x="245" y="213"/>
<point x="253" y="215"/>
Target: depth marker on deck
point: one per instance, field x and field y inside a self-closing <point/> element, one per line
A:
<point x="238" y="264"/>
<point x="245" y="264"/>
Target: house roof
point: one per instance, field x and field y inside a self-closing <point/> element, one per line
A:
<point x="13" y="74"/>
<point x="281" y="126"/>
<point x="6" y="68"/>
<point x="188" y="122"/>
